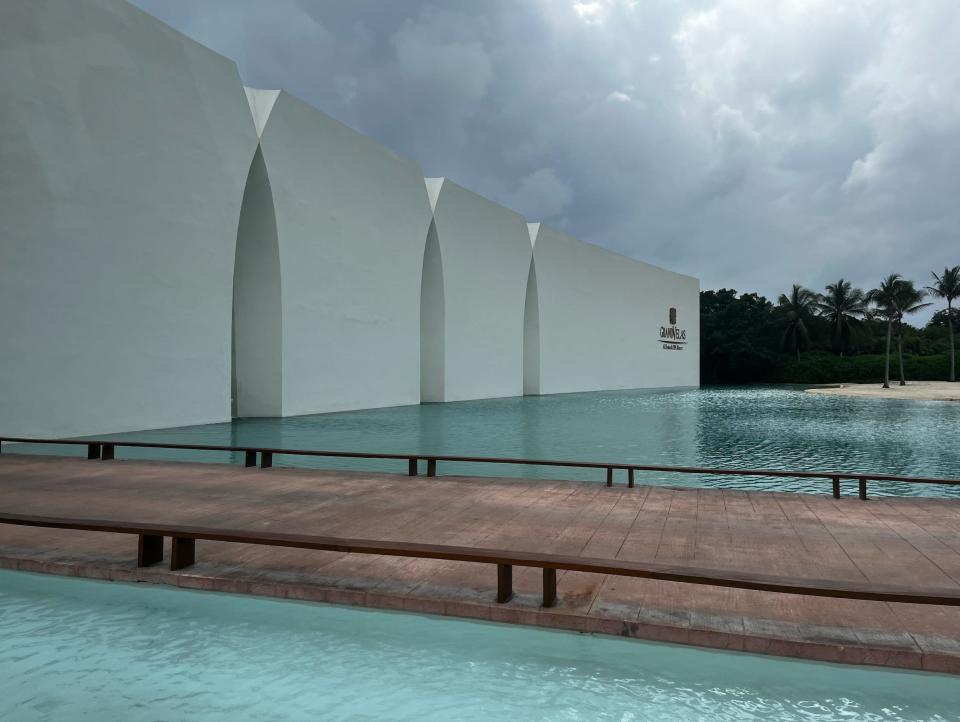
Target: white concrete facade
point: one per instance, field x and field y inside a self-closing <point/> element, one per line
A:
<point x="603" y="320"/>
<point x="176" y="249"/>
<point x="124" y="147"/>
<point x="351" y="221"/>
<point x="474" y="284"/>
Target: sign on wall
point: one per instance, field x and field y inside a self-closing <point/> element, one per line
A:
<point x="672" y="337"/>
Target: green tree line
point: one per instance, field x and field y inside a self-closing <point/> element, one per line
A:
<point x="844" y="334"/>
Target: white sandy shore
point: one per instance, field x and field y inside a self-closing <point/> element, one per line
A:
<point x="917" y="390"/>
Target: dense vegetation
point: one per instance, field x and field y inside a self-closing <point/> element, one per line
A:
<point x="841" y="335"/>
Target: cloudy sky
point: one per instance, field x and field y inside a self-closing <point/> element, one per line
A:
<point x="752" y="143"/>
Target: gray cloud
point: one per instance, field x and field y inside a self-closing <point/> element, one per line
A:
<point x="753" y="144"/>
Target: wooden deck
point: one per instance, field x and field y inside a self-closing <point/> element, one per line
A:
<point x="912" y="542"/>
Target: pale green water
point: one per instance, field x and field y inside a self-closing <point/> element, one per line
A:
<point x="748" y="427"/>
<point x="79" y="650"/>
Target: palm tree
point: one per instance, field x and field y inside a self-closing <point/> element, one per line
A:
<point x="948" y="286"/>
<point x="909" y="299"/>
<point x="797" y="308"/>
<point x="884" y="297"/>
<point x="842" y="306"/>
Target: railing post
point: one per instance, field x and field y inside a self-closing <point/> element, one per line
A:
<point x="431" y="467"/>
<point x="412" y="467"/>
<point x="93" y="451"/>
<point x="863" y="488"/>
<point x="836" y="487"/>
<point x="106" y="452"/>
<point x="504" y="583"/>
<point x="249" y="458"/>
<point x="609" y="476"/>
<point x="630" y="478"/>
<point x="549" y="587"/>
<point x="183" y="552"/>
<point x="149" y="549"/>
<point x="266" y="459"/>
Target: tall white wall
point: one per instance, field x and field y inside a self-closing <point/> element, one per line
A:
<point x="599" y="319"/>
<point x="351" y="224"/>
<point x="484" y="257"/>
<point x="168" y="240"/>
<point x="124" y="147"/>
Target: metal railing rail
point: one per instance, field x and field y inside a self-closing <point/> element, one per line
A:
<point x="105" y="449"/>
<point x="184" y="539"/>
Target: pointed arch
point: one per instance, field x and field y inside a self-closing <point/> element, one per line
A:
<point x="432" y="320"/>
<point x="531" y="335"/>
<point x="256" y="377"/>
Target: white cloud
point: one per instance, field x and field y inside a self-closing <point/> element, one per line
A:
<point x="542" y="195"/>
<point x="597" y="12"/>
<point x="754" y="143"/>
<point x="451" y="67"/>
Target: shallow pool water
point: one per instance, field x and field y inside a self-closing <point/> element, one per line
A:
<point x="747" y="427"/>
<point x="74" y="649"/>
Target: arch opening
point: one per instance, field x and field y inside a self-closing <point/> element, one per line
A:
<point x="256" y="356"/>
<point x="432" y="320"/>
<point x="531" y="335"/>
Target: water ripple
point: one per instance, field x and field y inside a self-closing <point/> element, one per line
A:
<point x="772" y="427"/>
<point x="75" y="649"/>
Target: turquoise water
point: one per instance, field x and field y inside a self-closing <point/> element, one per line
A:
<point x="749" y="427"/>
<point x="80" y="650"/>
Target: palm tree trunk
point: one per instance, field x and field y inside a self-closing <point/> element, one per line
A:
<point x="886" y="367"/>
<point x="903" y="380"/>
<point x="953" y="362"/>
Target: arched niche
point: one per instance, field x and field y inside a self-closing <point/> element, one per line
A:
<point x="531" y="335"/>
<point x="432" y="320"/>
<point x="256" y="379"/>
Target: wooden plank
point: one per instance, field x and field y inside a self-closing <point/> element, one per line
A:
<point x="797" y="536"/>
<point x="184" y="539"/>
<point x="549" y="587"/>
<point x="149" y="550"/>
<point x="183" y="551"/>
<point x="504" y="583"/>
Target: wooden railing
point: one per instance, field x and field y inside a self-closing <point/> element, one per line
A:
<point x="184" y="541"/>
<point x="106" y="450"/>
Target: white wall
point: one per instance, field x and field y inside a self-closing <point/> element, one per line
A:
<point x="124" y="147"/>
<point x="599" y="319"/>
<point x="484" y="251"/>
<point x="351" y="222"/>
<point x="131" y="179"/>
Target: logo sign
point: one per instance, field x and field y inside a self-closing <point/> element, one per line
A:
<point x="672" y="337"/>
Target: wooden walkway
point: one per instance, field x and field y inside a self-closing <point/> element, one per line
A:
<point x="910" y="542"/>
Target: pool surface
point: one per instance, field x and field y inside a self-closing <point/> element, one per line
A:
<point x="747" y="427"/>
<point x="74" y="649"/>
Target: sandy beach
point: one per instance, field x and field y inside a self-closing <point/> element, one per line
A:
<point x="916" y="390"/>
